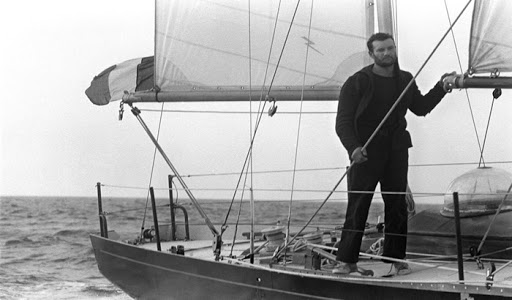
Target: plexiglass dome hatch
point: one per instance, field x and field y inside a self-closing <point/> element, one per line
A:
<point x="481" y="192"/>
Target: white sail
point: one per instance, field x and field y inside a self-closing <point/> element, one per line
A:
<point x="197" y="50"/>
<point x="491" y="42"/>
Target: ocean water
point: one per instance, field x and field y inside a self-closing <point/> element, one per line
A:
<point x="45" y="251"/>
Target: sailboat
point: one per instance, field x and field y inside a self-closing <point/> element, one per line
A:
<point x="272" y="52"/>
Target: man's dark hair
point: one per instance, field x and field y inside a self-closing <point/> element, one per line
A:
<point x="380" y="36"/>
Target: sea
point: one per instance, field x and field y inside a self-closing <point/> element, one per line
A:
<point x="45" y="251"/>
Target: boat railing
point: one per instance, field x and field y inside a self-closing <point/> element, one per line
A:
<point x="169" y="230"/>
<point x="101" y="214"/>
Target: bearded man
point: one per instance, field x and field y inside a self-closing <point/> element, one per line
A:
<point x="365" y="99"/>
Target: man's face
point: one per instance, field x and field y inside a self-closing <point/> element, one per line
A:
<point x="384" y="53"/>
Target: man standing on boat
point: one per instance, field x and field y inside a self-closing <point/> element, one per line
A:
<point x="365" y="99"/>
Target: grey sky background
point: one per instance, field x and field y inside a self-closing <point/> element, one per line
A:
<point x="55" y="142"/>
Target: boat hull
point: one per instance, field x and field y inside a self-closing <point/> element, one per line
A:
<point x="149" y="274"/>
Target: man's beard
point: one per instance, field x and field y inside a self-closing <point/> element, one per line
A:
<point x="385" y="62"/>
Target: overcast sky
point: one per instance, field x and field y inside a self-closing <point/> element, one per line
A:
<point x="55" y="142"/>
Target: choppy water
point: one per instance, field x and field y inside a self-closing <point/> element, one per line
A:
<point x="45" y="251"/>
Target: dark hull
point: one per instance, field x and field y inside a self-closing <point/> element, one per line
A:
<point x="148" y="274"/>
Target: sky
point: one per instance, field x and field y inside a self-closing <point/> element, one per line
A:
<point x="54" y="142"/>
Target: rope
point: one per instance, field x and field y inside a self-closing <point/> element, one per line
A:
<point x="334" y="169"/>
<point x="402" y="260"/>
<point x="130" y="209"/>
<point x="377" y="248"/>
<point x="494" y="219"/>
<point x="235" y="112"/>
<point x="466" y="90"/>
<point x="151" y="173"/>
<point x="284" y="45"/>
<point x="261" y="112"/>
<point x="298" y="128"/>
<point x="250" y="139"/>
<point x="487" y="128"/>
<point x="416" y="194"/>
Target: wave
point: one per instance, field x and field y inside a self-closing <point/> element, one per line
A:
<point x="100" y="291"/>
<point x="19" y="242"/>
<point x="72" y="233"/>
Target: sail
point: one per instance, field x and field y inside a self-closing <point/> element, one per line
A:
<point x="491" y="42"/>
<point x="227" y="48"/>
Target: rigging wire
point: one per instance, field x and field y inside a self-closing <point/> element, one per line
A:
<point x="493" y="219"/>
<point x="328" y="169"/>
<point x="339" y="168"/>
<point x="466" y="90"/>
<point x="250" y="137"/>
<point x="298" y="170"/>
<point x="261" y="112"/>
<point x="298" y="130"/>
<point x="152" y="171"/>
<point x="250" y="156"/>
<point x="235" y="112"/>
<point x="487" y="128"/>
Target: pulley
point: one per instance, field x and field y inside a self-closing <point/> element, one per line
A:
<point x="273" y="109"/>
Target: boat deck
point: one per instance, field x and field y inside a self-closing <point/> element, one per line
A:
<point x="426" y="273"/>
